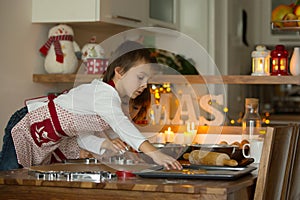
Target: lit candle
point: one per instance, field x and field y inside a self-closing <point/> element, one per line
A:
<point x="161" y="138"/>
<point x="189" y="137"/>
<point x="169" y="135"/>
<point x="260" y="66"/>
<point x="188" y="126"/>
<point x="193" y="126"/>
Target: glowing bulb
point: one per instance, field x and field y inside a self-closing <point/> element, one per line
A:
<point x="157" y="96"/>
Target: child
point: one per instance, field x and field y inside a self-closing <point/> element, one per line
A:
<point x="138" y="110"/>
<point x="89" y="108"/>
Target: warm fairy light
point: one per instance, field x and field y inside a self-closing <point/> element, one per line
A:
<point x="166" y="85"/>
<point x="232" y="121"/>
<point x="157" y="95"/>
<point x="158" y="89"/>
<point x="202" y="129"/>
<point x="225" y="109"/>
<point x="267" y="121"/>
<point x="267" y="114"/>
<point x="262" y="131"/>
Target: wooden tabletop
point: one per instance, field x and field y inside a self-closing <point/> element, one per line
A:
<point x="17" y="183"/>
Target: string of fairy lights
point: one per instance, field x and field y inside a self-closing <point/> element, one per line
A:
<point x="158" y="89"/>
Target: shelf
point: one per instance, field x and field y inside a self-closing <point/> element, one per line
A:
<point x="63" y="78"/>
<point x="192" y="79"/>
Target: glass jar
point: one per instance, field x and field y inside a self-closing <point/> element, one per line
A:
<point x="251" y="122"/>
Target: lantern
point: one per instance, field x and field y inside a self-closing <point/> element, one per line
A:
<point x="279" y="57"/>
<point x="260" y="61"/>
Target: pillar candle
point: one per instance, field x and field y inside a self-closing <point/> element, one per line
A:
<point x="169" y="135"/>
<point x="189" y="137"/>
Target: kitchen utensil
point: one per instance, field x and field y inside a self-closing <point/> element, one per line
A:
<point x="211" y="158"/>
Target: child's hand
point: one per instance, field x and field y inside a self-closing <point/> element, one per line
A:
<point x="85" y="154"/>
<point x="116" y="145"/>
<point x="162" y="159"/>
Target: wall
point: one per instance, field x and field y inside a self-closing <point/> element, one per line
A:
<point x="20" y="41"/>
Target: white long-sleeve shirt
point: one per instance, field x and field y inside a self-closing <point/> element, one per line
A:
<point x="84" y="110"/>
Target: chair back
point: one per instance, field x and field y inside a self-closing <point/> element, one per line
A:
<point x="294" y="178"/>
<point x="277" y="164"/>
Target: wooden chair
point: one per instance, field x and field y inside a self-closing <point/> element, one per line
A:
<point x="294" y="178"/>
<point x="278" y="167"/>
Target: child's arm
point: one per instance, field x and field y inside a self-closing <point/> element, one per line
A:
<point x="90" y="143"/>
<point x="159" y="157"/>
<point x="98" y="145"/>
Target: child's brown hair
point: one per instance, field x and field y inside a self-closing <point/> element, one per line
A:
<point x="126" y="55"/>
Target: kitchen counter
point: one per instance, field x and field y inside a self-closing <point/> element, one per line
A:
<point x="18" y="184"/>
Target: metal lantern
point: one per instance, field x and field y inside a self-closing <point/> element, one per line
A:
<point x="279" y="58"/>
<point x="260" y="61"/>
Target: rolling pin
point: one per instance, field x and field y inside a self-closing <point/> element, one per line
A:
<point x="200" y="157"/>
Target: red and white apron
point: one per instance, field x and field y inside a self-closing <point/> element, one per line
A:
<point x="50" y="132"/>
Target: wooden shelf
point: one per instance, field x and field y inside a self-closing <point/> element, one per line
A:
<point x="193" y="79"/>
<point x="63" y="78"/>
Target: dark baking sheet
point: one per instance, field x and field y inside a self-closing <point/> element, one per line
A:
<point x="209" y="172"/>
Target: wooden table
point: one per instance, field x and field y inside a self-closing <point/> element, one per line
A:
<point x="17" y="184"/>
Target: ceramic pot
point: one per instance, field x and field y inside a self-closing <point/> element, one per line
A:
<point x="295" y="62"/>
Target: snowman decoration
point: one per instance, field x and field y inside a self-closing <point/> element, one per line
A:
<point x="60" y="50"/>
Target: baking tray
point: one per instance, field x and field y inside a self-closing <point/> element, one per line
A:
<point x="200" y="172"/>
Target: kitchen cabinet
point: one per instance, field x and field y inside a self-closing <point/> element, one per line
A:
<point x="112" y="11"/>
<point x="45" y="11"/>
<point x="132" y="13"/>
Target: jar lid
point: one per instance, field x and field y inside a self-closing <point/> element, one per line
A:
<point x="261" y="51"/>
<point x="251" y="101"/>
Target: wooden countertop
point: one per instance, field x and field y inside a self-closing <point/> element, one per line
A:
<point x="19" y="184"/>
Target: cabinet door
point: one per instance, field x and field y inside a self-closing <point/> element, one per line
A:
<point x="131" y="13"/>
<point x="165" y="13"/>
<point x="65" y="10"/>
